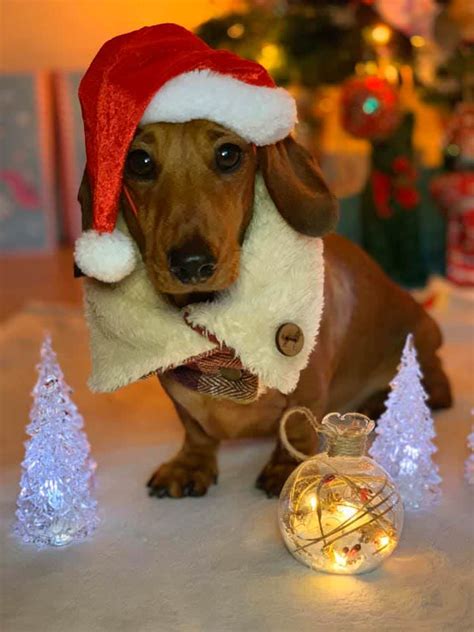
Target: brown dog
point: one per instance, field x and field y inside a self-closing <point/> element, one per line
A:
<point x="192" y="186"/>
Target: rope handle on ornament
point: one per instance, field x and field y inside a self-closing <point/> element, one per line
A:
<point x="313" y="422"/>
<point x="338" y="444"/>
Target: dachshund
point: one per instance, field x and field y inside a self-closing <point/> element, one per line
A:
<point x="193" y="188"/>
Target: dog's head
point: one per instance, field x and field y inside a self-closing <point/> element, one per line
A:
<point x="189" y="199"/>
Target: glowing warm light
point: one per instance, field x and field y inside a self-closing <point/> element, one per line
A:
<point x="236" y="30"/>
<point x="340" y="516"/>
<point x="384" y="540"/>
<point x="347" y="511"/>
<point x="313" y="502"/>
<point x="381" y="34"/>
<point x="417" y="41"/>
<point x="270" y="56"/>
<point x="341" y="560"/>
<point x="391" y="73"/>
<point x="371" y="68"/>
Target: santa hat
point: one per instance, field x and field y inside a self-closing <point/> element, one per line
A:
<point x="162" y="73"/>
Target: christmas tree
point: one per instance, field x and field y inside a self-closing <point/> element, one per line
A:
<point x="55" y="504"/>
<point x="423" y="50"/>
<point x="469" y="465"/>
<point x="403" y="445"/>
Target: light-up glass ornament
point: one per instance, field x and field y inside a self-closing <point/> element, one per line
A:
<point x="339" y="511"/>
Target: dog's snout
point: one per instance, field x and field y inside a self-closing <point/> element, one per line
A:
<point x="192" y="263"/>
<point x="191" y="268"/>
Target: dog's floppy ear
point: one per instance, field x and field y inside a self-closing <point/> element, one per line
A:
<point x="297" y="187"/>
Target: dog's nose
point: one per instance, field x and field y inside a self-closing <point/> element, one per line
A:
<point x="192" y="263"/>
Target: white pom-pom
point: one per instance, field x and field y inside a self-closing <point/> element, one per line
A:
<point x="107" y="257"/>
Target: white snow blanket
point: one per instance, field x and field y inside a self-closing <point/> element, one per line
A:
<point x="217" y="563"/>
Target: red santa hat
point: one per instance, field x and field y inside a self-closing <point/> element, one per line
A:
<point x="162" y="73"/>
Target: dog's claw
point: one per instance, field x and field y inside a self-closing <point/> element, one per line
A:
<point x="195" y="493"/>
<point x="180" y="478"/>
<point x="158" y="492"/>
<point x="273" y="477"/>
<point x="188" y="489"/>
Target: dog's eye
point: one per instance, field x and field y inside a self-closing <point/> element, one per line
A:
<point x="228" y="157"/>
<point x="140" y="165"/>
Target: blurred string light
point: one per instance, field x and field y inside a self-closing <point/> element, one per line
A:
<point x="236" y="31"/>
<point x="271" y="57"/>
<point x="367" y="68"/>
<point x="391" y="73"/>
<point x="380" y="34"/>
<point x="417" y="41"/>
<point x="387" y="70"/>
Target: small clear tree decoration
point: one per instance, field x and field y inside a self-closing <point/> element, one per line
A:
<point x="403" y="445"/>
<point x="55" y="505"/>
<point x="339" y="511"/>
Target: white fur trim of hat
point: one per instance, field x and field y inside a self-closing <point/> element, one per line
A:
<point x="260" y="115"/>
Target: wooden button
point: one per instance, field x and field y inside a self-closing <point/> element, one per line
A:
<point x="289" y="339"/>
<point x="230" y="373"/>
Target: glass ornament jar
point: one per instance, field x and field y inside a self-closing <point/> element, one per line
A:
<point x="339" y="511"/>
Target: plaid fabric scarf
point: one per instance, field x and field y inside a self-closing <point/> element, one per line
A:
<point x="218" y="373"/>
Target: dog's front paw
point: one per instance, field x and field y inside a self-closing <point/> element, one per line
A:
<point x="273" y="477"/>
<point x="183" y="476"/>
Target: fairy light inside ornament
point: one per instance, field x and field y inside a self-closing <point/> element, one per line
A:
<point x="339" y="511"/>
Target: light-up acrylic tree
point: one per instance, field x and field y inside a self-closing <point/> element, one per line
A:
<point x="55" y="505"/>
<point x="405" y="432"/>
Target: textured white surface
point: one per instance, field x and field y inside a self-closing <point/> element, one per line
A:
<point x="217" y="563"/>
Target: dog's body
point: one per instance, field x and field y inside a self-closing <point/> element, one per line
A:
<point x="365" y="322"/>
<point x="184" y="206"/>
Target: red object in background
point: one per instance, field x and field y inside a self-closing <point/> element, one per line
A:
<point x="455" y="194"/>
<point x="381" y="185"/>
<point x="404" y="187"/>
<point x="399" y="185"/>
<point x="23" y="192"/>
<point x="369" y="108"/>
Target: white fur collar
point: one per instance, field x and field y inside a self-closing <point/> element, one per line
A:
<point x="134" y="331"/>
